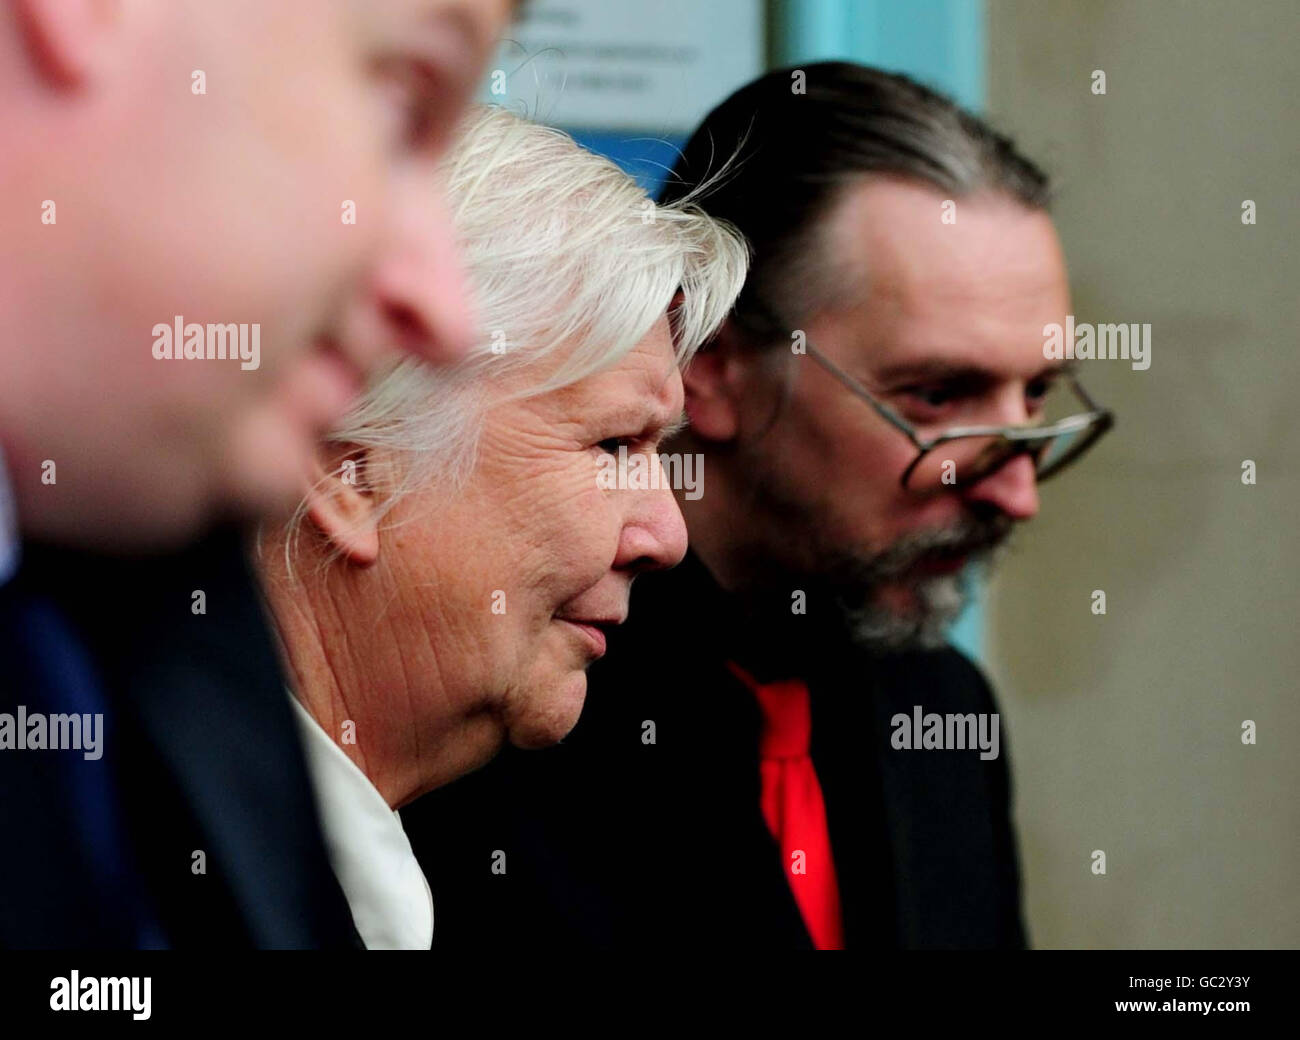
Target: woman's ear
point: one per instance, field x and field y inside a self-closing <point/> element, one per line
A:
<point x="341" y="504"/>
<point x="712" y="387"/>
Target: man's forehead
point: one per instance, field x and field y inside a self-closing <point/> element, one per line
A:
<point x="972" y="295"/>
<point x="937" y="364"/>
<point x="919" y="351"/>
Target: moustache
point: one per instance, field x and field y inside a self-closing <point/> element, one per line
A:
<point x="973" y="538"/>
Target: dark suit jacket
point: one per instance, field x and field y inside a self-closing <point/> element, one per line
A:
<point x="613" y="841"/>
<point x="206" y="754"/>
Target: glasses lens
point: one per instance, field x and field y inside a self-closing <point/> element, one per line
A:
<point x="1066" y="448"/>
<point x="963" y="461"/>
<point x="960" y="462"/>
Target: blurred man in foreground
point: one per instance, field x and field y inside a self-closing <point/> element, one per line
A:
<point x="781" y="751"/>
<point x="218" y="219"/>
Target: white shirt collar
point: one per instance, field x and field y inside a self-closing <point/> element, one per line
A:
<point x="372" y="858"/>
<point x="8" y="526"/>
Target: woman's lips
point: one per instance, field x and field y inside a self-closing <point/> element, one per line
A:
<point x="593" y="636"/>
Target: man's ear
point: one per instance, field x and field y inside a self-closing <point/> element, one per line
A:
<point x="71" y="40"/>
<point x="713" y="387"/>
<point x="342" y="506"/>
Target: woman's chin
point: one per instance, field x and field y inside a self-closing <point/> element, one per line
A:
<point x="551" y="712"/>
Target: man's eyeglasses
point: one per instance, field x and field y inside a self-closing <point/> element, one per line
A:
<point x="965" y="455"/>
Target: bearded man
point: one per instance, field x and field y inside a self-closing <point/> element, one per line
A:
<point x="781" y="750"/>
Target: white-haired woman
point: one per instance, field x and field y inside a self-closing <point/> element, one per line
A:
<point x="455" y="569"/>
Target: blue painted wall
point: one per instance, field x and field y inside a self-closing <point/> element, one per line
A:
<point x="939" y="42"/>
<point x="647" y="158"/>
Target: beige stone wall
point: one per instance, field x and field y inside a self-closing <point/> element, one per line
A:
<point x="1125" y="730"/>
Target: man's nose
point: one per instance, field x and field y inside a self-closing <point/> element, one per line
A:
<point x="416" y="298"/>
<point x="1011" y="489"/>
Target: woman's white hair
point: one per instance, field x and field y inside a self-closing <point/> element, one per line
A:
<point x="567" y="261"/>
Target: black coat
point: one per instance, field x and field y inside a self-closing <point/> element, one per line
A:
<point x="204" y="756"/>
<point x="611" y="841"/>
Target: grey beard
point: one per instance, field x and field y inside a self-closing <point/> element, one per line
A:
<point x="853" y="579"/>
<point x="854" y="584"/>
<point x="936" y="600"/>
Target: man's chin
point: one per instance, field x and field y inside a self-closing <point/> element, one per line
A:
<point x="267" y="468"/>
<point x="911" y="615"/>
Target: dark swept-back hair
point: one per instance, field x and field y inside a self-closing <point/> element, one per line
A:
<point x="776" y="155"/>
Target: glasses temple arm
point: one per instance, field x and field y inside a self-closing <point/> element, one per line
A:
<point x="858" y="390"/>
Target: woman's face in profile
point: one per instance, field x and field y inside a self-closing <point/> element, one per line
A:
<point x="516" y="580"/>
